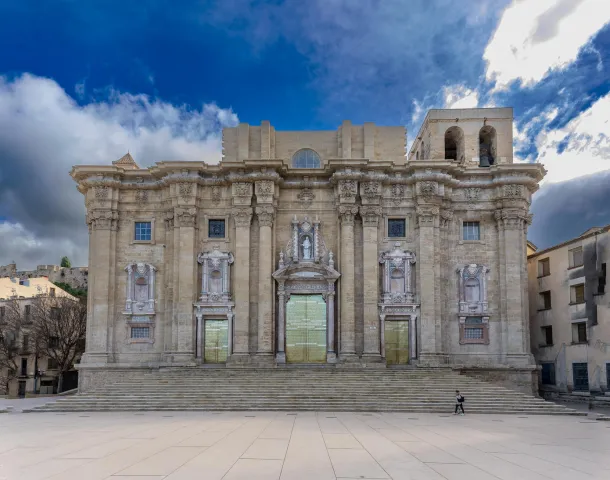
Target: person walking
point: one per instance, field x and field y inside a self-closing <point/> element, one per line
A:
<point x="459" y="402"/>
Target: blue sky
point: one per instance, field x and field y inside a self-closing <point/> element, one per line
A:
<point x="82" y="82"/>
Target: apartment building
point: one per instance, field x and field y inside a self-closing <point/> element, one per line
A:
<point x="570" y="314"/>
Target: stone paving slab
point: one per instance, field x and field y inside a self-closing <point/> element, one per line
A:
<point x="306" y="445"/>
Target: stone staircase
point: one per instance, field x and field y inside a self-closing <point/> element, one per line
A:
<point x="302" y="389"/>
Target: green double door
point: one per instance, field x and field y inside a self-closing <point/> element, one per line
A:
<point x="396" y="342"/>
<point x="306" y="329"/>
<point x="216" y="343"/>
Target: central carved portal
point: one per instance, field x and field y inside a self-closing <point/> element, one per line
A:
<point x="306" y="329"/>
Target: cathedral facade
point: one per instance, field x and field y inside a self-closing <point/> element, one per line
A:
<point x="308" y="247"/>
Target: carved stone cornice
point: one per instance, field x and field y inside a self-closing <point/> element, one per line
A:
<point x="426" y="214"/>
<point x="242" y="216"/>
<point x="103" y="220"/>
<point x="370" y="215"/>
<point x="264" y="191"/>
<point x="265" y="215"/>
<point x="347" y="191"/>
<point x="347" y="213"/>
<point x="185" y="217"/>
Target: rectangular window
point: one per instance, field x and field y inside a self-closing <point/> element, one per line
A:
<point x="397" y="227"/>
<point x="26" y="343"/>
<point x="24" y="367"/>
<point x="577" y="293"/>
<point x="53" y="342"/>
<point x="140" y="332"/>
<point x="54" y="313"/>
<point x="143" y="231"/>
<point x="472" y="231"/>
<point x="576" y="258"/>
<point x="544" y="267"/>
<point x="601" y="281"/>
<point x="548" y="373"/>
<point x="547" y="335"/>
<point x="579" y="332"/>
<point x="2" y="313"/>
<point x="52" y="364"/>
<point x="545" y="300"/>
<point x="27" y="311"/>
<point x="52" y="292"/>
<point x="216" y="228"/>
<point x="471" y="333"/>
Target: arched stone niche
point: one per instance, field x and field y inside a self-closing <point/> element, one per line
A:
<point x="140" y="289"/>
<point x="473" y="306"/>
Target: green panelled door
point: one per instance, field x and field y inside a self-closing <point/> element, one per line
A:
<point x="306" y="329"/>
<point x="397" y="342"/>
<point x="216" y="341"/>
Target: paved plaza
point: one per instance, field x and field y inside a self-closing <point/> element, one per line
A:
<point x="316" y="446"/>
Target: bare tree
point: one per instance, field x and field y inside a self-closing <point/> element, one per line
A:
<point x="59" y="325"/>
<point x="12" y="322"/>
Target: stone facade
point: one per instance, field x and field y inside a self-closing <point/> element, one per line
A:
<point x="570" y="313"/>
<point x="421" y="254"/>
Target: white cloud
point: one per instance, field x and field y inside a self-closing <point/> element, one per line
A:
<point x="534" y="37"/>
<point x="585" y="141"/>
<point x="44" y="132"/>
<point x="459" y="96"/>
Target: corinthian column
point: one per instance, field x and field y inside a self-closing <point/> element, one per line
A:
<point x="370" y="221"/>
<point x="347" y="349"/>
<point x="242" y="216"/>
<point x="265" y="214"/>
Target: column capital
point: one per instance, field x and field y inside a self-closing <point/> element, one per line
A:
<point x="242" y="216"/>
<point x="103" y="220"/>
<point x="266" y="215"/>
<point x="347" y="214"/>
<point x="370" y="215"/>
<point x="512" y="218"/>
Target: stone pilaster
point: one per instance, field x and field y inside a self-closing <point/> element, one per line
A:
<point x="265" y="214"/>
<point x="347" y="348"/>
<point x="242" y="216"/>
<point x="103" y="225"/>
<point x="428" y="222"/>
<point x="185" y="276"/>
<point x="370" y="222"/>
<point x="511" y="223"/>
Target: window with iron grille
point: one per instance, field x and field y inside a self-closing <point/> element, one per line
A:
<point x="216" y="228"/>
<point x="140" y="332"/>
<point x="143" y="231"/>
<point x="397" y="227"/>
<point x="473" y="333"/>
<point x="472" y="231"/>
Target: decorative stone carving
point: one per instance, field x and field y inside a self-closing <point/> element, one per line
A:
<point x="348" y="190"/>
<point x="185" y="217"/>
<point x="264" y="191"/>
<point x="242" y="193"/>
<point x="370" y="190"/>
<point x="397" y="192"/>
<point x="427" y="189"/>
<point x="185" y="190"/>
<point x="140" y="289"/>
<point x="141" y="196"/>
<point x="101" y="193"/>
<point x="511" y="218"/>
<point x="446" y="216"/>
<point x="426" y="214"/>
<point x="265" y="214"/>
<point x="370" y="215"/>
<point x="242" y="216"/>
<point x="169" y="219"/>
<point x="473" y="289"/>
<point x="512" y="190"/>
<point x="305" y="244"/>
<point x="398" y="285"/>
<point x="347" y="213"/>
<point x="472" y="194"/>
<point x="103" y="220"/>
<point x="215" y="275"/>
<point x="306" y="197"/>
<point x="216" y="194"/>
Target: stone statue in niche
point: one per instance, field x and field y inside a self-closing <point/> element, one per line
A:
<point x="306" y="249"/>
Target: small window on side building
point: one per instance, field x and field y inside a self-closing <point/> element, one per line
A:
<point x="548" y="373"/>
<point x="545" y="300"/>
<point x="547" y="334"/>
<point x="579" y="332"/>
<point x="577" y="293"/>
<point x="576" y="258"/>
<point x="544" y="267"/>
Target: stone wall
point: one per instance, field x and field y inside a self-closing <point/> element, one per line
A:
<point x="76" y="277"/>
